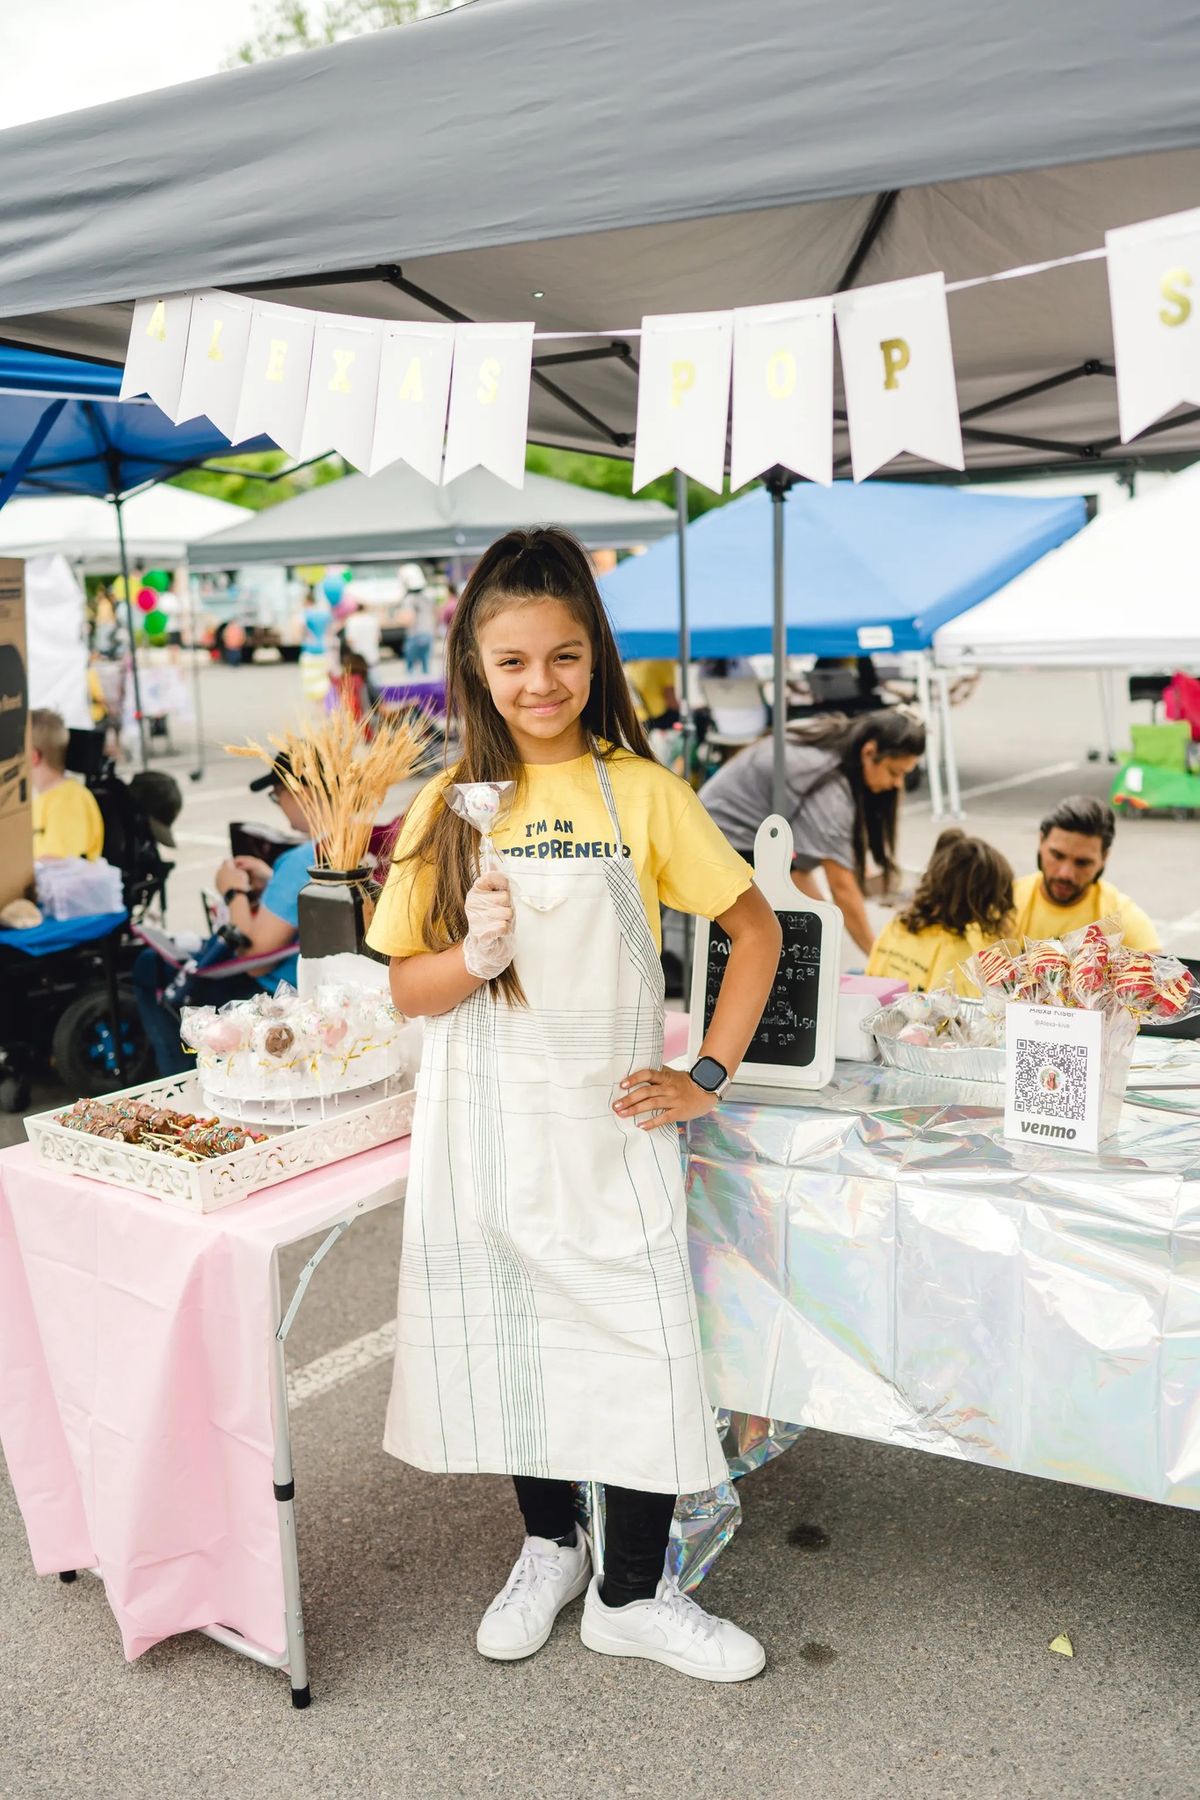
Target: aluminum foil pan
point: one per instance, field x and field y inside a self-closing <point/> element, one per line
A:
<point x="950" y="1062"/>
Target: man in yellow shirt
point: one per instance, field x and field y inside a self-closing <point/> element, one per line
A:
<point x="66" y="819"/>
<point x="1068" y="889"/>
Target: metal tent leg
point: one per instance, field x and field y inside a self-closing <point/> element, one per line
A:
<point x="949" y="751"/>
<point x="933" y="746"/>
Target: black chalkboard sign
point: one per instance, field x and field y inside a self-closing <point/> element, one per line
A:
<point x="794" y="1044"/>
<point x="787" y="1031"/>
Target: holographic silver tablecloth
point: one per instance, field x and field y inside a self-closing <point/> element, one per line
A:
<point x="877" y="1259"/>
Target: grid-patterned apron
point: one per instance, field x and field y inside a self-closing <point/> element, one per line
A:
<point x="546" y="1322"/>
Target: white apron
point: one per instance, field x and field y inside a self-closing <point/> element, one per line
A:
<point x="546" y="1322"/>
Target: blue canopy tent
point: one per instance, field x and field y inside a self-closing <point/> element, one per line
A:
<point x="63" y="431"/>
<point x="879" y="566"/>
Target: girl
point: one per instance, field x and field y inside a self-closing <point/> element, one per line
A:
<point x="843" y="786"/>
<point x="963" y="901"/>
<point x="546" y="1320"/>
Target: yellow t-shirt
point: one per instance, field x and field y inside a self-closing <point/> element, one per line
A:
<point x="926" y="959"/>
<point x="67" y="821"/>
<point x="682" y="859"/>
<point x="1038" y="917"/>
<point x="651" y="683"/>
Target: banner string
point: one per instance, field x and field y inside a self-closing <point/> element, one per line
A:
<point x="952" y="287"/>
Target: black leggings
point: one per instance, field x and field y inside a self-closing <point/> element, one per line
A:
<point x="636" y="1529"/>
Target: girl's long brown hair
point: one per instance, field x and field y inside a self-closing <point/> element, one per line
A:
<point x="540" y="564"/>
<point x="967" y="882"/>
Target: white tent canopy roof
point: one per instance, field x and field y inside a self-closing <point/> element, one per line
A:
<point x="397" y="514"/>
<point x="159" y="524"/>
<point x="1123" y="593"/>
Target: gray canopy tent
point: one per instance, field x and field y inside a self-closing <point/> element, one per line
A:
<point x="585" y="165"/>
<point x="398" y="514"/>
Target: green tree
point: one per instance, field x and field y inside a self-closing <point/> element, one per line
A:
<point x="613" y="475"/>
<point x="239" y="479"/>
<point x="281" y="26"/>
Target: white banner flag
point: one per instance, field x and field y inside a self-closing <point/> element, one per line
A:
<point x="1154" y="293"/>
<point x="343" y="388"/>
<point x="158" y="341"/>
<point x="783" y="390"/>
<point x="683" y="397"/>
<point x="489" y="401"/>
<point x="275" y="383"/>
<point x="414" y="390"/>
<point x="216" y="360"/>
<point x="898" y="370"/>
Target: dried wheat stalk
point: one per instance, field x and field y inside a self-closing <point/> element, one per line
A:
<point x="342" y="768"/>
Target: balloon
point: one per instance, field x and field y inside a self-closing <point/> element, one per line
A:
<point x="156" y="623"/>
<point x="347" y="574"/>
<point x="118" y="588"/>
<point x="332" y="587"/>
<point x="310" y="573"/>
<point x="147" y="599"/>
<point x="159" y="580"/>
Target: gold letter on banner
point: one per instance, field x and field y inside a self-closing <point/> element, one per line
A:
<point x="340" y="384"/>
<point x="489" y="381"/>
<point x="413" y="387"/>
<point x="157" y="328"/>
<point x="1172" y="281"/>
<point x="683" y="378"/>
<point x="895" y="358"/>
<point x="781" y="375"/>
<point x="276" y="357"/>
<point x="215" y="352"/>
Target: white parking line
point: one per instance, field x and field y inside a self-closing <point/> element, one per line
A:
<point x="998" y="787"/>
<point x="348" y="1360"/>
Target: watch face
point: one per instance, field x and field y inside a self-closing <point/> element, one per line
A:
<point x="708" y="1074"/>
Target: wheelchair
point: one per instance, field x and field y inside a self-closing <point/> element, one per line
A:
<point x="74" y="1008"/>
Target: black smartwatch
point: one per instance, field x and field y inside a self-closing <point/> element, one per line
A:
<point x="231" y="894"/>
<point x="710" y="1075"/>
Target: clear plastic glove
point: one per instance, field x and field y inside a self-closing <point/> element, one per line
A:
<point x="489" y="943"/>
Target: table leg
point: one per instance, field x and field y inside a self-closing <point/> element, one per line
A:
<point x="285" y="1485"/>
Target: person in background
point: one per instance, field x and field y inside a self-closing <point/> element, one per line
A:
<point x="66" y="818"/>
<point x="963" y="901"/>
<point x="314" y="628"/>
<point x="446" y="611"/>
<point x="843" y="782"/>
<point x="655" y="697"/>
<point x="362" y="636"/>
<point x="418" y="645"/>
<point x="1068" y="889"/>
<point x="263" y="905"/>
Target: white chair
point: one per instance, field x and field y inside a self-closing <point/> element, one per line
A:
<point x="738" y="711"/>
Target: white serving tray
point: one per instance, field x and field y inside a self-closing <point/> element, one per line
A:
<point x="220" y="1180"/>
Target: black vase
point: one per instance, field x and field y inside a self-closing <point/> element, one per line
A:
<point x="331" y="913"/>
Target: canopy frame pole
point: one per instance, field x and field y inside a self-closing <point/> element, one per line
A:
<point x="777" y="482"/>
<point x="949" y="750"/>
<point x="1109" y="748"/>
<point x="933" y="736"/>
<point x="184" y="574"/>
<point x="37" y="437"/>
<point x="129" y="626"/>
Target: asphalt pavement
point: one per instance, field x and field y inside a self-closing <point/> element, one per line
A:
<point x="907" y="1602"/>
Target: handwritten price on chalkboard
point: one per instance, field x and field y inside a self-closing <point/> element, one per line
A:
<point x="787" y="1032"/>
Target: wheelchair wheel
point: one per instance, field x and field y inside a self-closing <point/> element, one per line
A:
<point x="83" y="1049"/>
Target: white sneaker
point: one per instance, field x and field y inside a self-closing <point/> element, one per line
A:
<point x="672" y="1629"/>
<point x="545" y="1578"/>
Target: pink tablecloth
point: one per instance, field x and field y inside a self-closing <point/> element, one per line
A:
<point x="135" y="1404"/>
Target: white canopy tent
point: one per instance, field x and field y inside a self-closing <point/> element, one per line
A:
<point x="56" y="639"/>
<point x="159" y="525"/>
<point x="397" y="514"/>
<point x="1123" y="593"/>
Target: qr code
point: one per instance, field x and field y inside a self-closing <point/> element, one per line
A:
<point x="1051" y="1079"/>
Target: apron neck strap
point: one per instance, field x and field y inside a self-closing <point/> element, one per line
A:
<point x="602" y="777"/>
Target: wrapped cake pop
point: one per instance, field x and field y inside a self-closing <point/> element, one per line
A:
<point x="1090" y="950"/>
<point x="1049" y="969"/>
<point x="485" y="805"/>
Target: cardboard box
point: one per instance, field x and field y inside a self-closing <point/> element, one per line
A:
<point x="16" y="816"/>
